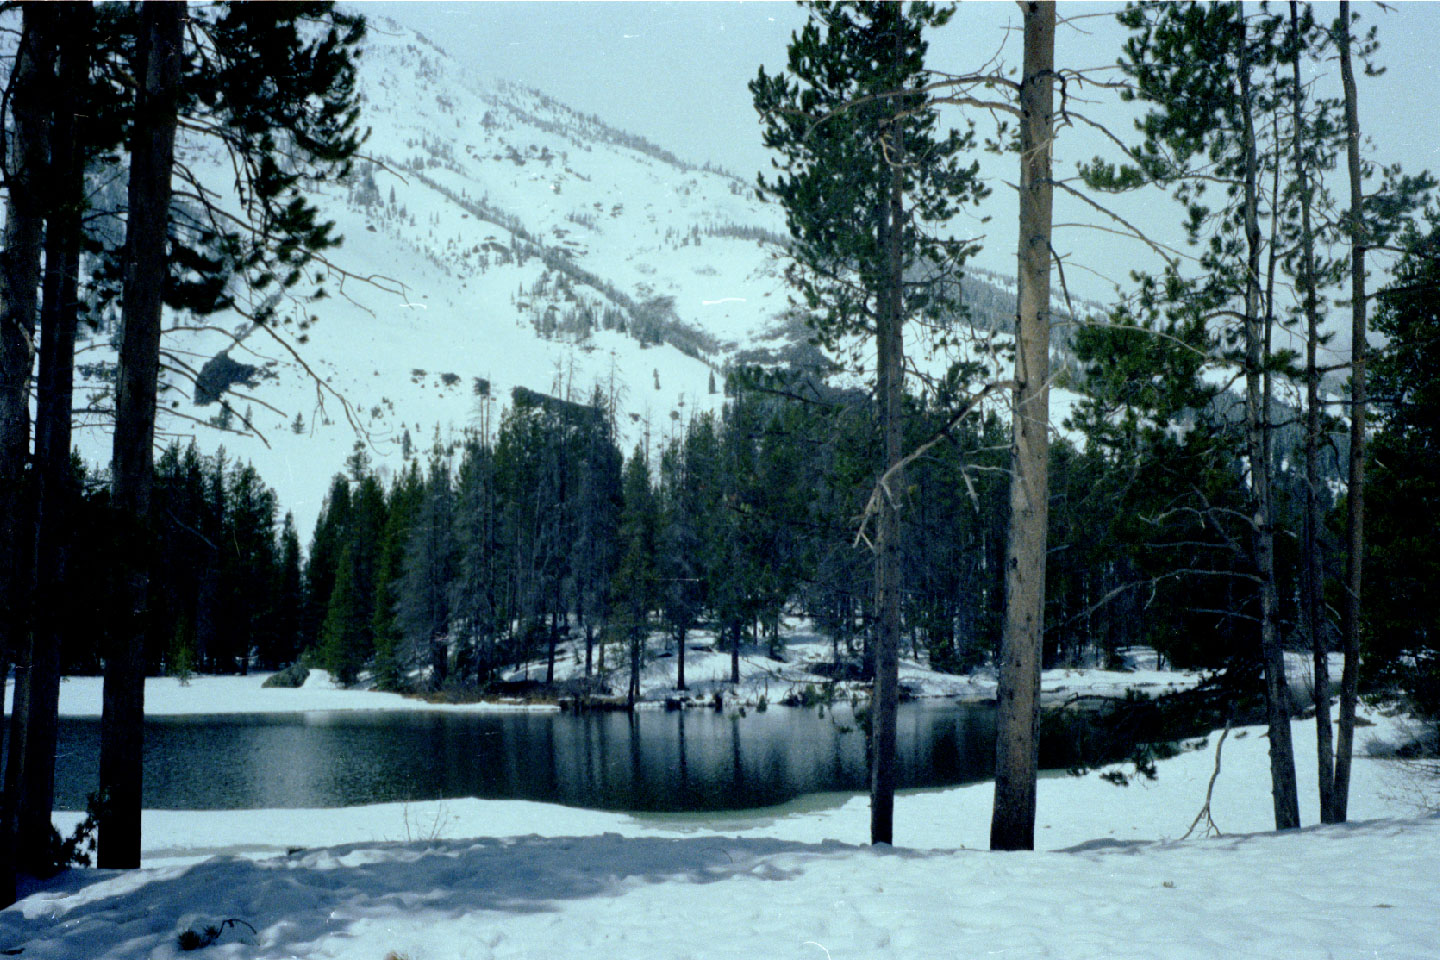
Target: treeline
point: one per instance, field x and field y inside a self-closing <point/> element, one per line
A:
<point x="501" y="551"/>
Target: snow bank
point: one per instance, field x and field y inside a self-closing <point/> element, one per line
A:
<point x="707" y="671"/>
<point x="169" y="696"/>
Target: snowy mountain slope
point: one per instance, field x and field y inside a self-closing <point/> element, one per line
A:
<point x="494" y="239"/>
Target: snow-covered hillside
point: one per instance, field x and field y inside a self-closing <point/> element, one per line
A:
<point x="493" y="239"/>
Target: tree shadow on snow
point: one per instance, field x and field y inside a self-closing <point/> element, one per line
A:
<point x="293" y="901"/>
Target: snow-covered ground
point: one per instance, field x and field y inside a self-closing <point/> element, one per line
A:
<point x="481" y="879"/>
<point x="707" y="670"/>
<point x="169" y="696"/>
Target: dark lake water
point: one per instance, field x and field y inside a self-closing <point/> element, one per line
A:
<point x="652" y="761"/>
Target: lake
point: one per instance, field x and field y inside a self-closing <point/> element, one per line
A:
<point x="695" y="760"/>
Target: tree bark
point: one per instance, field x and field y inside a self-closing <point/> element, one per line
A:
<point x="54" y="492"/>
<point x="1355" y="496"/>
<point x="1311" y="572"/>
<point x="889" y="396"/>
<point x="1012" y="824"/>
<point x="24" y="163"/>
<point x="1257" y="431"/>
<point x="151" y="159"/>
<point x="680" y="661"/>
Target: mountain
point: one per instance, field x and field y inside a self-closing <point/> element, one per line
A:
<point x="495" y="239"/>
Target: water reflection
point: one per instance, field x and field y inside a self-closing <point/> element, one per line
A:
<point x="651" y="761"/>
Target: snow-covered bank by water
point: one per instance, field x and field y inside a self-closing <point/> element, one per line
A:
<point x="492" y="879"/>
<point x="707" y="671"/>
<point x="169" y="696"/>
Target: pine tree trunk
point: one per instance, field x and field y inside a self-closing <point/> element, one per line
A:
<point x="1355" y="496"/>
<point x="1311" y="615"/>
<point x="680" y="662"/>
<point x="889" y="395"/>
<point x="1257" y="429"/>
<point x="54" y="490"/>
<point x="735" y="656"/>
<point x="151" y="158"/>
<point x="19" y="281"/>
<point x="1012" y="825"/>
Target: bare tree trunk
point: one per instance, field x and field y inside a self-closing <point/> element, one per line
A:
<point x="889" y="396"/>
<point x="1012" y="824"/>
<point x="589" y="647"/>
<point x="24" y="163"/>
<point x="54" y="487"/>
<point x="1355" y="497"/>
<point x="890" y="348"/>
<point x="680" y="662"/>
<point x="1311" y="615"/>
<point x="735" y="655"/>
<point x="151" y="159"/>
<point x="1257" y="430"/>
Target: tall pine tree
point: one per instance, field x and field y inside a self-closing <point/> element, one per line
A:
<point x="848" y="117"/>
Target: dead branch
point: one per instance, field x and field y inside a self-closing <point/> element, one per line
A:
<point x="882" y="486"/>
<point x="1205" y="814"/>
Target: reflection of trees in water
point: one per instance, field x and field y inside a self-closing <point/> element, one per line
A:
<point x="651" y="761"/>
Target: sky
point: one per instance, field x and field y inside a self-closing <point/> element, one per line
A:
<point x="676" y="73"/>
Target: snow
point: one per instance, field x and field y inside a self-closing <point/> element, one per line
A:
<point x="493" y="879"/>
<point x="707" y="671"/>
<point x="170" y="696"/>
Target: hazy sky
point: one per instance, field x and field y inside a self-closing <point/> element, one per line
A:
<point x="676" y="73"/>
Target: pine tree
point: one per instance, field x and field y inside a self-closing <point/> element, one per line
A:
<point x="636" y="577"/>
<point x="345" y="635"/>
<point x="157" y="70"/>
<point x="845" y="117"/>
<point x="251" y="562"/>
<point x="289" y="597"/>
<point x="598" y="508"/>
<point x="272" y="80"/>
<point x="1206" y="71"/>
<point x="53" y="490"/>
<point x="320" y="568"/>
<point x="478" y="597"/>
<point x="1017" y="746"/>
<point x="1403" y="494"/>
<point x="401" y="506"/>
<point x="422" y="609"/>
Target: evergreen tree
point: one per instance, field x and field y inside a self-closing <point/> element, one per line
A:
<point x="597" y="523"/>
<point x="331" y="533"/>
<point x="1207" y="72"/>
<point x="1403" y="492"/>
<point x="271" y="80"/>
<point x="479" y="599"/>
<point x="401" y="506"/>
<point x="846" y="117"/>
<point x="250" y="568"/>
<point x="289" y="598"/>
<point x="636" y="578"/>
<point x="422" y="610"/>
<point x="1017" y="694"/>
<point x="54" y="495"/>
<point x="345" y="635"/>
<point x="157" y="71"/>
